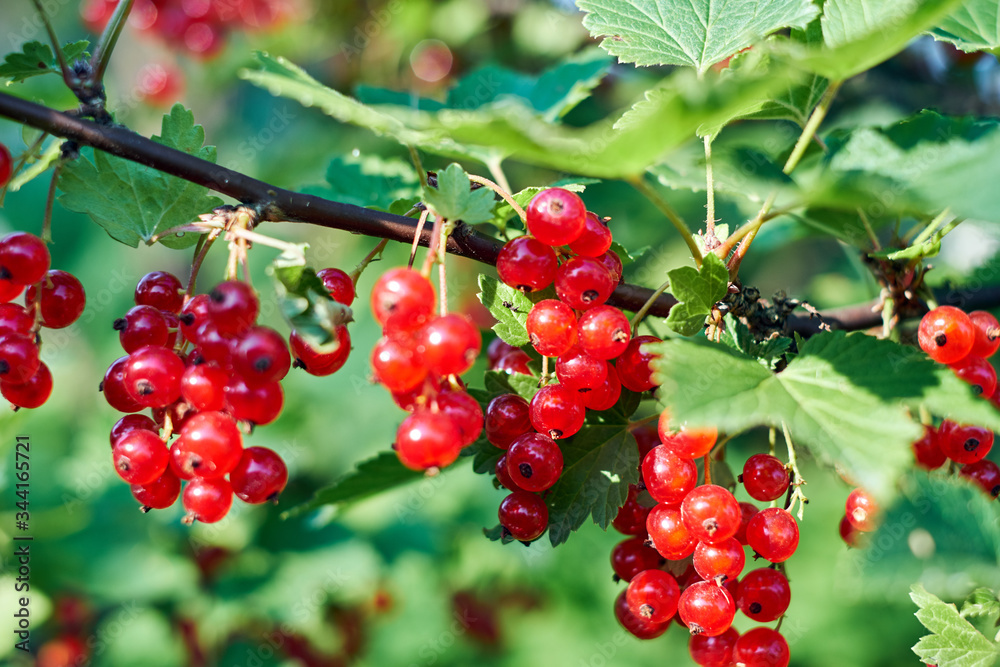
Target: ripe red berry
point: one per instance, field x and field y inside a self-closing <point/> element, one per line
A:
<point x="500" y="470"/>
<point x="725" y="559"/>
<point x="193" y="317"/>
<point x="159" y="494"/>
<point x="773" y="534"/>
<point x="258" y="405"/>
<point x="556" y="216"/>
<point x="631" y="517"/>
<point x="210" y="445"/>
<point x="583" y="282"/>
<point x="711" y="513"/>
<point x="203" y="386"/>
<point x="113" y="387"/>
<point x="261" y="356"/>
<point x="15" y="318"/>
<point x="613" y="263"/>
<point x="6" y="165"/>
<point x="761" y="647"/>
<point x="18" y="358"/>
<point x="232" y="307"/>
<point x="706" y="608"/>
<point x="984" y="473"/>
<point x="946" y="334"/>
<point x="852" y="536"/>
<point x="507" y="417"/>
<point x="427" y="440"/>
<point x="402" y="300"/>
<point x="30" y="394"/>
<point x="140" y="457"/>
<point x="668" y="477"/>
<point x="579" y="371"/>
<point x="153" y="376"/>
<point x="160" y="290"/>
<point x="131" y="423"/>
<point x="515" y="361"/>
<point x="669" y="534"/>
<point x="62" y="299"/>
<point x="141" y="326"/>
<point x="534" y="462"/>
<point x="524" y="515"/>
<point x="317" y="362"/>
<point x="495" y="350"/>
<point x="633" y="365"/>
<point x="339" y="284"/>
<point x="464" y="412"/>
<point x="636" y="625"/>
<point x="987" y="334"/>
<point x="764" y="477"/>
<point x="652" y="595"/>
<point x="551" y="326"/>
<point x="603" y="332"/>
<point x="24" y="258"/>
<point x="527" y="264"/>
<point x="978" y="372"/>
<point x="207" y="500"/>
<point x="449" y="345"/>
<point x="632" y="556"/>
<point x="747" y="512"/>
<point x="557" y="411"/>
<point x="965" y="444"/>
<point x="605" y="396"/>
<point x="259" y="476"/>
<point x="713" y="651"/>
<point x="763" y="594"/>
<point x="397" y="365"/>
<point x="595" y="239"/>
<point x="861" y="511"/>
<point x="927" y="450"/>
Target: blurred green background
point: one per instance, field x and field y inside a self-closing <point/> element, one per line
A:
<point x="406" y="578"/>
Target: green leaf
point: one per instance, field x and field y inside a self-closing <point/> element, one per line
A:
<point x="974" y="26"/>
<point x="369" y="181"/>
<point x="953" y="641"/>
<point x="371" y="477"/>
<point x="981" y="602"/>
<point x="599" y="463"/>
<point x="375" y="96"/>
<point x="36" y="166"/>
<point x="305" y="303"/>
<point x="740" y="171"/>
<point x="697" y="292"/>
<point x="509" y="307"/>
<point x="502" y="382"/>
<point x="698" y="33"/>
<point x="737" y="336"/>
<point x="452" y="198"/>
<point x="36" y="58"/>
<point x="134" y="202"/>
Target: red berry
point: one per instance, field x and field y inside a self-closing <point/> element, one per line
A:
<point x="193" y="317"/>
<point x="711" y="513"/>
<point x="763" y="595"/>
<point x="141" y="326"/>
<point x="24" y="258"/>
<point x="652" y="595"/>
<point x="526" y="264"/>
<point x="606" y="395"/>
<point x="113" y="387"/>
<point x="747" y="512"/>
<point x="402" y="300"/>
<point x="978" y="372"/>
<point x="927" y="450"/>
<point x="131" y="423"/>
<point x="524" y="515"/>
<point x="761" y="647"/>
<point x="965" y="444"/>
<point x="500" y="470"/>
<point x="397" y="365"/>
<point x="30" y="394"/>
<point x="603" y="332"/>
<point x="153" y="376"/>
<point x="725" y="560"/>
<point x="851" y="535"/>
<point x="62" y="299"/>
<point x="261" y="356"/>
<point x="946" y="334"/>
<point x="464" y="412"/>
<point x="320" y="363"/>
<point x="18" y="358"/>
<point x="495" y="350"/>
<point x="232" y="307"/>
<point x="706" y="608"/>
<point x="210" y="445"/>
<point x="613" y="263"/>
<point x="595" y="239"/>
<point x="534" y="462"/>
<point x="579" y="371"/>
<point x="668" y="477"/>
<point x="140" y="457"/>
<point x="584" y="282"/>
<point x="557" y="411"/>
<point x="764" y="477"/>
<point x="15" y="318"/>
<point x="207" y="500"/>
<point x="669" y="534"/>
<point x="161" y="290"/>
<point x="984" y="473"/>
<point x="632" y="556"/>
<point x="862" y="511"/>
<point x="427" y="440"/>
<point x="551" y="327"/>
<point x="773" y="534"/>
<point x="259" y="405"/>
<point x="713" y="651"/>
<point x="987" y="334"/>
<point x="449" y="345"/>
<point x="515" y="361"/>
<point x="9" y="291"/>
<point x="631" y="517"/>
<point x="507" y="417"/>
<point x="690" y="442"/>
<point x="6" y="165"/>
<point x="636" y="625"/>
<point x="633" y="365"/>
<point x="556" y="217"/>
<point x="203" y="386"/>
<point x="159" y="494"/>
<point x="259" y="476"/>
<point x="339" y="284"/>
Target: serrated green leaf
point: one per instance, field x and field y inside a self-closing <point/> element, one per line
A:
<point x="133" y="202"/>
<point x="509" y="307"/>
<point x="305" y="303"/>
<point x="697" y="292"/>
<point x="629" y="257"/>
<point x="737" y="336"/>
<point x="370" y="181"/>
<point x="974" y="26"/>
<point x="953" y="641"/>
<point x="454" y="200"/>
<point x="981" y="602"/>
<point x="741" y="171"/>
<point x="502" y="382"/>
<point x="496" y="534"/>
<point x="698" y="33"/>
<point x="36" y="58"/>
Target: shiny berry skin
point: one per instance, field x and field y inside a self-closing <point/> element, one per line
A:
<point x="261" y="356"/>
<point x="131" y="423"/>
<point x="652" y="595"/>
<point x="62" y="299"/>
<point x="747" y="512"/>
<point x="556" y="217"/>
<point x="24" y="258"/>
<point x="551" y="327"/>
<point x="851" y="535"/>
<point x="18" y="358"/>
<point x="706" y="608"/>
<point x="713" y="651"/>
<point x="215" y="346"/>
<point x="320" y="363"/>
<point x="583" y="282"/>
<point x="203" y="386"/>
<point x="633" y="365"/>
<point x="987" y="334"/>
<point x="507" y="417"/>
<point x="193" y="317"/>
<point x="631" y="517"/>
<point x="339" y="284"/>
<point x="515" y="361"/>
<point x="603" y="332"/>
<point x="711" y="513"/>
<point x="113" y="387"/>
<point x="232" y="307"/>
<point x="30" y="394"/>
<point x="761" y="647"/>
<point x="397" y="365"/>
<point x="977" y="372"/>
<point x="534" y="462"/>
<point x="984" y="473"/>
<point x="690" y="442"/>
<point x="579" y="371"/>
<point x="524" y="515"/>
<point x="402" y="300"/>
<point x="10" y="290"/>
<point x="613" y="263"/>
<point x="595" y="239"/>
<point x="557" y="411"/>
<point x="668" y="477"/>
<point x="861" y="511"/>
<point x="495" y="350"/>
<point x="427" y="440"/>
<point x="140" y="457"/>
<point x="161" y="290"/>
<point x="159" y="494"/>
<point x="500" y="470"/>
<point x="210" y="445"/>
<point x="259" y="476"/>
<point x="764" y="477"/>
<point x="464" y="412"/>
<point x="966" y="444"/>
<point x="207" y="500"/>
<point x="606" y="395"/>
<point x="527" y="264"/>
<point x="668" y="533"/>
<point x="141" y="326"/>
<point x="153" y="376"/>
<point x="259" y="405"/>
<point x="927" y="450"/>
<point x="632" y="556"/>
<point x="6" y="165"/>
<point x="16" y="319"/>
<point x="449" y="345"/>
<point x="773" y="534"/>
<point x="763" y="595"/>
<point x="946" y="334"/>
<point x="725" y="559"/>
<point x="636" y="625"/>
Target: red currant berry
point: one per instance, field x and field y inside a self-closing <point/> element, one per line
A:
<point x="987" y="334"/>
<point x="500" y="470"/>
<point x="495" y="350"/>
<point x="613" y="263"/>
<point x="507" y="417"/>
<point x="583" y="282"/>
<point x="713" y="651"/>
<point x="557" y="411"/>
<point x="159" y="494"/>
<point x="259" y="476"/>
<point x="14" y="318"/>
<point x="194" y="317"/>
<point x="852" y="536"/>
<point x="595" y="240"/>
<point x="711" y="513"/>
<point x="747" y="512"/>
<point x="524" y="515"/>
<point x="160" y="290"/>
<point x="632" y="556"/>
<point x="140" y="457"/>
<point x="30" y="394"/>
<point x="551" y="327"/>
<point x="927" y="450"/>
<point x="339" y="284"/>
<point x="669" y="534"/>
<point x="207" y="500"/>
<point x="773" y="534"/>
<point x="668" y="477"/>
<point x="465" y="412"/>
<point x="605" y="396"/>
<point x="579" y="371"/>
<point x="761" y="647"/>
<point x="724" y="560"/>
<point x="113" y="387"/>
<point x="978" y="372"/>
<point x="320" y="363"/>
<point x="984" y="473"/>
<point x="18" y="358"/>
<point x="402" y="300"/>
<point x="966" y="444"/>
<point x="636" y="625"/>
<point x="689" y="442"/>
<point x="946" y="334"/>
<point x="259" y="405"/>
<point x="141" y="326"/>
<point x="706" y="608"/>
<point x="427" y="440"/>
<point x="153" y="376"/>
<point x="6" y="165"/>
<point x="261" y="356"/>
<point x="62" y="299"/>
<point x="210" y="445"/>
<point x="633" y="365"/>
<point x="526" y="264"/>
<point x="646" y="438"/>
<point x="449" y="345"/>
<point x="652" y="595"/>
<point x="764" y="477"/>
<point x="556" y="217"/>
<point x="203" y="386"/>
<point x="862" y="511"/>
<point x="763" y="595"/>
<point x="130" y="423"/>
<point x="603" y="332"/>
<point x="9" y="291"/>
<point x="397" y="365"/>
<point x="631" y="517"/>
<point x="515" y="361"/>
<point x="24" y="258"/>
<point x="534" y="462"/>
<point x="232" y="307"/>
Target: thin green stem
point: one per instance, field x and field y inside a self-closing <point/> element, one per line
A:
<point x="709" y="193"/>
<point x="416" y="236"/>
<point x="500" y="190"/>
<point x="496" y="171"/>
<point x="932" y="227"/>
<point x="646" y="306"/>
<point x="35" y="145"/>
<point x="727" y="246"/>
<point x="640" y="184"/>
<point x="418" y="165"/>
<point x="868" y="230"/>
<point x="109" y="38"/>
<point x="432" y="251"/>
<point x="49" y="202"/>
<point x="63" y="67"/>
<point x="640" y="422"/>
<point x="369" y="258"/>
<point x="797" y="481"/>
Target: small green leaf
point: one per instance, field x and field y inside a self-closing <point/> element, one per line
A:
<point x="37" y="166"/>
<point x="452" y="198"/>
<point x="974" y="26"/>
<point x="737" y="336"/>
<point x="496" y="534"/>
<point x="981" y="602"/>
<point x="953" y="641"/>
<point x="502" y="382"/>
<point x="36" y="58"/>
<point x="697" y="292"/>
<point x="305" y="303"/>
<point x="510" y="308"/>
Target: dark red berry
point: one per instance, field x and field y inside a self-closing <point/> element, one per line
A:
<point x="987" y="334"/>
<point x="632" y="556"/>
<point x="203" y="386"/>
<point x="724" y="560"/>
<point x="965" y="444"/>
<point x="668" y="477"/>
<point x="764" y="477"/>
<point x="15" y="318"/>
<point x="210" y="446"/>
<point x="30" y="394"/>
<point x="500" y="470"/>
<point x="6" y="165"/>
<point x="317" y="362"/>
<point x="131" y="423"/>
<point x="159" y="494"/>
<point x="232" y="307"/>
<point x="984" y="473"/>
<point x="339" y="284"/>
<point x="747" y="512"/>
<point x="261" y="356"/>
<point x="652" y="595"/>
<point x="464" y="412"/>
<point x="140" y="457"/>
<point x="18" y="358"/>
<point x="207" y="500"/>
<point x="927" y="450"/>
<point x="713" y="651"/>
<point x="194" y="317"/>
<point x="605" y="396"/>
<point x="631" y="517"/>
<point x="579" y="371"/>
<point x="515" y="361"/>
<point x="773" y="534"/>
<point x="141" y="326"/>
<point x="636" y="625"/>
<point x="613" y="263"/>
<point x="62" y="299"/>
<point x="851" y="535"/>
<point x="259" y="476"/>
<point x="507" y="417"/>
<point x="524" y="515"/>
<point x="583" y="282"/>
<point x="113" y="387"/>
<point x="603" y="332"/>
<point x="977" y="372"/>
<point x="633" y="365"/>
<point x="761" y="647"/>
<point x="534" y="462"/>
<point x="763" y="595"/>
<point x="153" y="376"/>
<point x="160" y="290"/>
<point x="595" y="239"/>
<point x="258" y="405"/>
<point x="557" y="411"/>
<point x="24" y="258"/>
<point x="497" y="349"/>
<point x="706" y="608"/>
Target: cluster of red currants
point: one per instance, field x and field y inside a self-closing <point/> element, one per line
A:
<point x="199" y="26"/>
<point x="53" y="299"/>
<point x="418" y="359"/>
<point x="203" y="368"/>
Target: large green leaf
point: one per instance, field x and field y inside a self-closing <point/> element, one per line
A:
<point x="36" y="58"/>
<point x="696" y="292"/>
<point x="973" y="26"/>
<point x="452" y="198"/>
<point x="953" y="641"/>
<point x="698" y="33"/>
<point x="134" y="202"/>
<point x="739" y="171"/>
